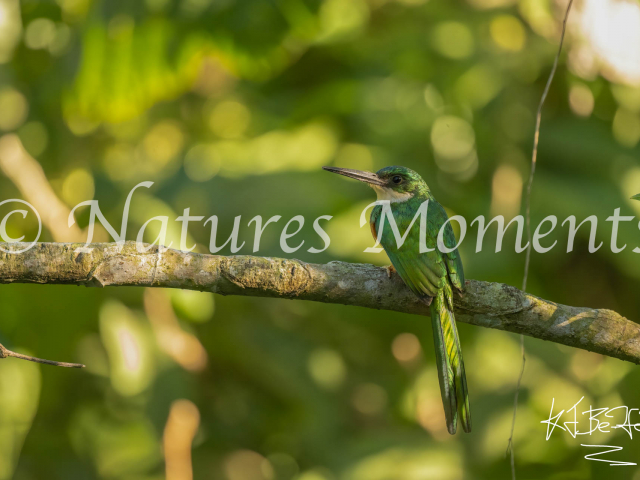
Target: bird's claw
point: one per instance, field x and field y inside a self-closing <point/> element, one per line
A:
<point x="390" y="270"/>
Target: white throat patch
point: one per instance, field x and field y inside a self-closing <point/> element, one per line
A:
<point x="385" y="193"/>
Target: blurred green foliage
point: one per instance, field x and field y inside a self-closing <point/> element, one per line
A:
<point x="231" y="107"/>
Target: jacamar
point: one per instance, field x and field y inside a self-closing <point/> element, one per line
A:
<point x="433" y="275"/>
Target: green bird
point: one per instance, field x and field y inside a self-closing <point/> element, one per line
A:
<point x="433" y="275"/>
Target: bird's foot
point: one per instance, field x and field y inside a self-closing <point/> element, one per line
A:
<point x="390" y="270"/>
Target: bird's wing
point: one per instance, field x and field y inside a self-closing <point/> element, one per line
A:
<point x="424" y="273"/>
<point x="453" y="260"/>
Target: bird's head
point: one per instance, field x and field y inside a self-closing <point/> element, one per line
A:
<point x="396" y="184"/>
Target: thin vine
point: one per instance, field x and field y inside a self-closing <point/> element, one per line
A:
<point x="534" y="157"/>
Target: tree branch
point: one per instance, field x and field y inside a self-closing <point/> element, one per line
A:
<point x="5" y="352"/>
<point x="486" y="304"/>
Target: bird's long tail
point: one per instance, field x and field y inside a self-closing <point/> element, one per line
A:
<point x="453" y="382"/>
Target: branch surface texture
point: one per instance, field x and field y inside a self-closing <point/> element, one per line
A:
<point x="493" y="305"/>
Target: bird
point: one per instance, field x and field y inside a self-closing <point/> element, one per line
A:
<point x="433" y="276"/>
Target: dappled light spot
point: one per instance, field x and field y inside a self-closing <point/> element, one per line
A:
<point x="493" y="350"/>
<point x="369" y="399"/>
<point x="229" y="119"/>
<point x="340" y="20"/>
<point x="582" y="62"/>
<point x="540" y="17"/>
<point x="316" y="474"/>
<point x="453" y="141"/>
<point x="609" y="372"/>
<point x="529" y="434"/>
<point x="116" y="161"/>
<point x="478" y="86"/>
<point x="20" y="384"/>
<point x="327" y="368"/>
<point x="247" y="465"/>
<point x="10" y="28"/>
<point x="508" y="33"/>
<point x="163" y="142"/>
<point x="130" y="350"/>
<point x="506" y="192"/>
<point x="193" y="8"/>
<point x="77" y="187"/>
<point x="202" y="162"/>
<point x="213" y="79"/>
<point x="409" y="463"/>
<point x="433" y="98"/>
<point x="40" y="33"/>
<point x="610" y="32"/>
<point x="130" y="129"/>
<point x="60" y="43"/>
<point x="581" y="100"/>
<point x="356" y="155"/>
<point x="34" y="137"/>
<point x="154" y="158"/>
<point x="305" y="148"/>
<point x="406" y="348"/>
<point x="430" y="415"/>
<point x="566" y="393"/>
<point x="92" y="354"/>
<point x="627" y="96"/>
<point x="453" y="40"/>
<point x="411" y="3"/>
<point x="116" y="446"/>
<point x="132" y="366"/>
<point x="182" y="346"/>
<point x="584" y="365"/>
<point x="452" y="138"/>
<point x="487" y="4"/>
<point x="179" y="431"/>
<point x="626" y="127"/>
<point x="284" y="465"/>
<point x="74" y="10"/>
<point x="14" y="108"/>
<point x="421" y="404"/>
<point x="192" y="305"/>
<point x="80" y="126"/>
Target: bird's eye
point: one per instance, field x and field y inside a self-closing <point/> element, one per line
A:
<point x="397" y="179"/>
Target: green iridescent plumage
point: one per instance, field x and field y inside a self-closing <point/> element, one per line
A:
<point x="433" y="276"/>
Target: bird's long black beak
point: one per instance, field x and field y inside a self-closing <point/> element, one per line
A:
<point x="367" y="177"/>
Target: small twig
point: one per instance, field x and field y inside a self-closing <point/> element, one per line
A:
<point x="534" y="157"/>
<point x="5" y="352"/>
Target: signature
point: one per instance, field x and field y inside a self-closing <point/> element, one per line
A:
<point x="599" y="420"/>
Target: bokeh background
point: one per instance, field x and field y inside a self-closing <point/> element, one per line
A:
<point x="231" y="107"/>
